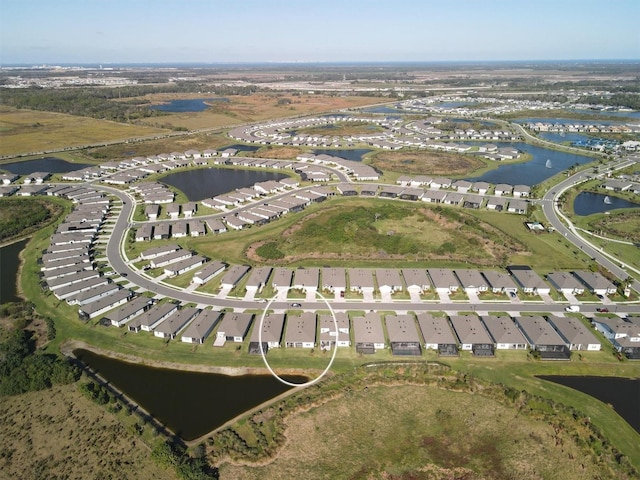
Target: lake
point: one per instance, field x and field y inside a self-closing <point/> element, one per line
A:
<point x="188" y="105"/>
<point x="534" y="171"/>
<point x="588" y="203"/>
<point x="9" y="266"/>
<point x="190" y="404"/>
<point x="622" y="393"/>
<point x="354" y="154"/>
<point x="242" y="147"/>
<point x="45" y="164"/>
<point x="204" y="183"/>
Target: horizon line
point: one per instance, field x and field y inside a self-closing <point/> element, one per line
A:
<point x="314" y="62"/>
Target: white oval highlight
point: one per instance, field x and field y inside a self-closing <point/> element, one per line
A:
<point x="264" y="357"/>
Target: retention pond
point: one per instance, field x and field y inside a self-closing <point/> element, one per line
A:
<point x="190" y="404"/>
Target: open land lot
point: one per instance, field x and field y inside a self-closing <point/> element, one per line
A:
<point x="375" y="232"/>
<point x="58" y="433"/>
<point x="421" y="432"/>
<point x="423" y="163"/>
<point x="30" y="131"/>
<point x="251" y="108"/>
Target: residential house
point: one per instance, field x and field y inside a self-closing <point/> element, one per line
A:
<point x="443" y="280"/>
<point x="208" y="272"/>
<point x="403" y="335"/>
<point x="368" y="333"/>
<point x="389" y="280"/>
<point x="437" y="334"/>
<point x="233" y="328"/>
<point x="270" y="333"/>
<point x="128" y="311"/>
<point x="472" y="281"/>
<point x="416" y="279"/>
<point x="301" y="331"/>
<point x="575" y="334"/>
<point x="201" y="327"/>
<point x="541" y="336"/>
<point x="595" y="282"/>
<point x="170" y="327"/>
<point x="565" y="283"/>
<point x="361" y="280"/>
<point x="152" y="317"/>
<point x="334" y="280"/>
<point x="472" y="335"/>
<point x="233" y="276"/>
<point x="329" y="336"/>
<point x="528" y="280"/>
<point x="504" y="332"/>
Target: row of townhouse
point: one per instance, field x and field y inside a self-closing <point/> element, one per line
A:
<point x="553" y="337"/>
<point x="464" y="186"/>
<point x="67" y="265"/>
<point x="179" y="229"/>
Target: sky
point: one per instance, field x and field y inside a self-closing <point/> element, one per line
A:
<point x="244" y="31"/>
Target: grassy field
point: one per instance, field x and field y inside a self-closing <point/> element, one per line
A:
<point x="58" y="433"/>
<point x="24" y="131"/>
<point x="251" y="108"/>
<point x="377" y="232"/>
<point x="421" y="432"/>
<point x="425" y="163"/>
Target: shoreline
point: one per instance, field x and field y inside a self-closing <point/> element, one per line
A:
<point x="67" y="348"/>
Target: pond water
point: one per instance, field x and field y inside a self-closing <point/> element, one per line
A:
<point x="204" y="183"/>
<point x="45" y="164"/>
<point x="9" y="266"/>
<point x="622" y="393"/>
<point x="242" y="147"/>
<point x="188" y="105"/>
<point x="564" y="138"/>
<point x="588" y="203"/>
<point x="545" y="164"/>
<point x="382" y="109"/>
<point x="190" y="404"/>
<point x="354" y="154"/>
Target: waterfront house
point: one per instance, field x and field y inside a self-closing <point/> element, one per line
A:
<point x="541" y="336"/>
<point x="301" y="331"/>
<point x="329" y="338"/>
<point x="270" y="334"/>
<point x="233" y="328"/>
<point x="170" y="327"/>
<point x="575" y="334"/>
<point x="201" y="327"/>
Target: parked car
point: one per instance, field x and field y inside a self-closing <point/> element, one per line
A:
<point x="602" y="310"/>
<point x="296" y="305"/>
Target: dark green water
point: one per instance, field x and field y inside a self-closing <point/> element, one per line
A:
<point x="190" y="404"/>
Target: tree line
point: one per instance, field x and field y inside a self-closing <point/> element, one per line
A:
<point x="22" y="367"/>
<point x="100" y="102"/>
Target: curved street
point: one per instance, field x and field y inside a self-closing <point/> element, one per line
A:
<point x="118" y="260"/>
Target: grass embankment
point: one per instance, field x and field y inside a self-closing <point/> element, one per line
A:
<point x="24" y="131"/>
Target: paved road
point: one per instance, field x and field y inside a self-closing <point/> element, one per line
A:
<point x="555" y="219"/>
<point x="115" y="254"/>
